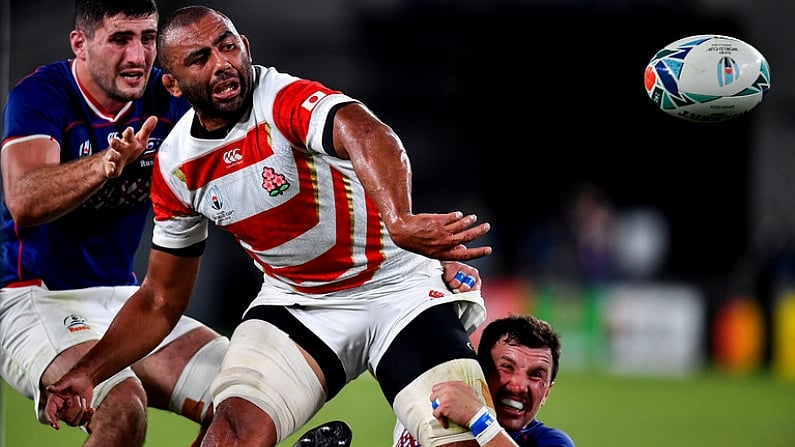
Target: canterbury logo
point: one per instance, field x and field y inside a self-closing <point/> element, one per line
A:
<point x="232" y="156"/>
<point x="435" y="294"/>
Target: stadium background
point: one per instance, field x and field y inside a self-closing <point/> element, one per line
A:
<point x="530" y="113"/>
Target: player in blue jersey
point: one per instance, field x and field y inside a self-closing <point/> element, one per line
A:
<point x="73" y="214"/>
<point x="520" y="356"/>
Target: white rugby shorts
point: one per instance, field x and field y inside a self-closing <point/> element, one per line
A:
<point x="36" y="324"/>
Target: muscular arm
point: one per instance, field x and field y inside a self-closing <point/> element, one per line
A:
<point x="381" y="162"/>
<point x="146" y="318"/>
<point x="143" y="322"/>
<point x="39" y="188"/>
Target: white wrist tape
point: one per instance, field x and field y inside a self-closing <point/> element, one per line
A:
<point x="484" y="426"/>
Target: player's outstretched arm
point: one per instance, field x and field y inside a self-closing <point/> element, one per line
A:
<point x="383" y="167"/>
<point x="144" y="321"/>
<point x="440" y="236"/>
<point x="39" y="188"/>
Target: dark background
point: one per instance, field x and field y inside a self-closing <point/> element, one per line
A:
<point x="506" y="108"/>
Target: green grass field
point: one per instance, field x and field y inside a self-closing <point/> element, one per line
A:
<point x="597" y="410"/>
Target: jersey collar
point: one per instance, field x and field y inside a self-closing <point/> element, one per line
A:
<point x="94" y="104"/>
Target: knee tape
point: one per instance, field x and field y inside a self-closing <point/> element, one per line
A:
<point x="413" y="406"/>
<point x="191" y="395"/>
<point x="103" y="388"/>
<point x="265" y="367"/>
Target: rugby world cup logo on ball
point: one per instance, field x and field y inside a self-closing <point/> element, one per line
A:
<point x="707" y="78"/>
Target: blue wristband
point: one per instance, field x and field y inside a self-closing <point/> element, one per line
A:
<point x="484" y="420"/>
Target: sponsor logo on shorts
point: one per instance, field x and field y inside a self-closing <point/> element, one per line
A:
<point x="435" y="293"/>
<point x="75" y="323"/>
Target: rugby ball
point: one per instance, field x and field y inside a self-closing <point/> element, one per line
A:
<point x="707" y="78"/>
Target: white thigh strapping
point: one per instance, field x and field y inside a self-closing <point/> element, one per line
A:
<point x="413" y="406"/>
<point x="265" y="367"/>
<point x="191" y="396"/>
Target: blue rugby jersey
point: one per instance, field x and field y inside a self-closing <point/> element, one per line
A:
<point x="95" y="244"/>
<point x="536" y="434"/>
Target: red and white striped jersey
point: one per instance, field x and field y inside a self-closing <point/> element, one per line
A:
<point x="298" y="211"/>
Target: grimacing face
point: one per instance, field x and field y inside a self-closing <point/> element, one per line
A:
<point x="119" y="56"/>
<point x="520" y="383"/>
<point x="211" y="65"/>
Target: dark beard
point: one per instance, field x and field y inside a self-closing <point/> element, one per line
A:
<point x="229" y="113"/>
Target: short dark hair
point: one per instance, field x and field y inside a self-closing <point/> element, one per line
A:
<point x="181" y="17"/>
<point x="523" y="330"/>
<point x="89" y="14"/>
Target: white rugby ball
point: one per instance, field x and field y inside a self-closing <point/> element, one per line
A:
<point x="707" y="78"/>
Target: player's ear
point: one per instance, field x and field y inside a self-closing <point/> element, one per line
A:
<point x="171" y="84"/>
<point x="77" y="39"/>
<point x="248" y="47"/>
<point x="546" y="393"/>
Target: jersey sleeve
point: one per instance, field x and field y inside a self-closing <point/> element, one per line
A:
<point x="34" y="108"/>
<point x="177" y="225"/>
<point x="301" y="111"/>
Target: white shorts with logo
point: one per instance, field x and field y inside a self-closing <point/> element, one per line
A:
<point x="359" y="325"/>
<point x="37" y="324"/>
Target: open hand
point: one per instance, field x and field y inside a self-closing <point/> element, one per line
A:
<point x="440" y="236"/>
<point x="124" y="150"/>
